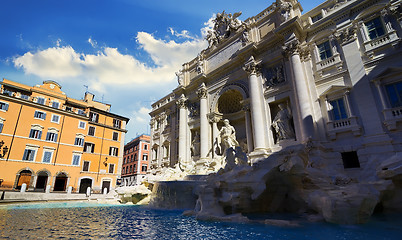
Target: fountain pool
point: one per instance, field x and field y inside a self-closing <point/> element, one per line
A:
<point x="85" y="220"/>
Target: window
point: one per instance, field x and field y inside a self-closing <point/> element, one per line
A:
<point x="135" y="157"/>
<point x="134" y="168"/>
<point x="47" y="156"/>
<point x="350" y="159"/>
<point x="93" y="117"/>
<point x="40" y="115"/>
<point x="35" y="133"/>
<point x="123" y="171"/>
<point x="324" y="50"/>
<point x="41" y="100"/>
<point x="338" y="109"/>
<point x="85" y="166"/>
<point x="124" y="160"/>
<point x="29" y="154"/>
<point x="111" y="168"/>
<point x="1" y="126"/>
<point x="3" y="106"/>
<point x="375" y="28"/>
<point x="76" y="159"/>
<point x="115" y="136"/>
<point x="145" y="146"/>
<point x="116" y="123"/>
<point x="55" y="118"/>
<point x="144" y="168"/>
<point x="55" y="104"/>
<point x="394" y="92"/>
<point x="23" y="96"/>
<point x="131" y="168"/>
<point x="69" y="109"/>
<point x="81" y="125"/>
<point x="316" y="18"/>
<point x="81" y="112"/>
<point x="145" y="157"/>
<point x="79" y="141"/>
<point x="91" y="131"/>
<point x="113" y="151"/>
<point x="51" y="136"/>
<point x="89" y="147"/>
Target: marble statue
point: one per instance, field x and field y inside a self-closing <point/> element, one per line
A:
<point x="282" y="124"/>
<point x="284" y="9"/>
<point x="228" y="136"/>
<point x="180" y="77"/>
<point x="195" y="145"/>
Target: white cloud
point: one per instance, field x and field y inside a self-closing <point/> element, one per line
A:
<point x="93" y="43"/>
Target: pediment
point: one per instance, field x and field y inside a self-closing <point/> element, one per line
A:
<point x="334" y="89"/>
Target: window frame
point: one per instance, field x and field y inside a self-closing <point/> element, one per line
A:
<point x="26" y="155"/>
<point x="115" y="136"/>
<point x="80" y="123"/>
<point x="381" y="25"/>
<point x="79" y="159"/>
<point x="51" y="155"/>
<point x="89" y="130"/>
<point x="327" y="49"/>
<point x="39" y="100"/>
<point x="55" y="115"/>
<point x="40" y="115"/>
<point x="111" y="167"/>
<point x="86" y="144"/>
<point x="4" y="106"/>
<point x="83" y="165"/>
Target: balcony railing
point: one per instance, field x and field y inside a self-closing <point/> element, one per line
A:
<point x="343" y="125"/>
<point x="392" y="116"/>
<point x="381" y="41"/>
<point x="334" y="61"/>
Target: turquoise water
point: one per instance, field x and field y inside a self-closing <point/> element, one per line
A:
<point x="94" y="221"/>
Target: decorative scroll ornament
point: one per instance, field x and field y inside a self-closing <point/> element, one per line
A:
<point x="347" y="35"/>
<point x="305" y="54"/>
<point x="202" y="91"/>
<point x="181" y="102"/>
<point x="251" y="67"/>
<point x="291" y="48"/>
<point x="224" y="26"/>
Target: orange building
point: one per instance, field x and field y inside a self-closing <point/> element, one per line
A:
<point x="49" y="140"/>
<point x="136" y="160"/>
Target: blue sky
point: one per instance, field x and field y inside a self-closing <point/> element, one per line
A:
<point x="126" y="51"/>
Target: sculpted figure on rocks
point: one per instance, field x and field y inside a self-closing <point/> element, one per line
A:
<point x="228" y="136"/>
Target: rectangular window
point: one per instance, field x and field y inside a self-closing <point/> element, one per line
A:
<point x="115" y="136"/>
<point x="79" y="141"/>
<point x="76" y="159"/>
<point x="131" y="168"/>
<point x="35" y="134"/>
<point x="3" y="106"/>
<point x="81" y="125"/>
<point x="324" y="50"/>
<point x="89" y="147"/>
<point x="40" y="115"/>
<point x="338" y="109"/>
<point x="29" y="155"/>
<point x="145" y="157"/>
<point x="55" y="105"/>
<point x="375" y="28"/>
<point x="91" y="131"/>
<point x="144" y="168"/>
<point x="394" y="92"/>
<point x="93" y="117"/>
<point x="316" y="18"/>
<point x="47" y="156"/>
<point x="145" y="146"/>
<point x="1" y="127"/>
<point x="41" y="100"/>
<point x="85" y="166"/>
<point x="111" y="168"/>
<point x="69" y="109"/>
<point x="113" y="151"/>
<point x="50" y="136"/>
<point x="23" y="96"/>
<point x="55" y="118"/>
<point x="116" y="123"/>
<point x="81" y="112"/>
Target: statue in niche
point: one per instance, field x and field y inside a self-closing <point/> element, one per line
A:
<point x="282" y="124"/>
<point x="194" y="110"/>
<point x="274" y="76"/>
<point x="195" y="144"/>
<point x="284" y="9"/>
<point x="228" y="136"/>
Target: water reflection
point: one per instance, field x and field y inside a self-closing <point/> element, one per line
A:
<point x="88" y="221"/>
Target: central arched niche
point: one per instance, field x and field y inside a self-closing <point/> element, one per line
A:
<point x="230" y="102"/>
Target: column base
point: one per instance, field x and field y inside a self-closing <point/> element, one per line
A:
<point x="201" y="166"/>
<point x="258" y="155"/>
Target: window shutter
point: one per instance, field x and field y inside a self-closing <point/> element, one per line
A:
<point x="31" y="156"/>
<point x="1" y="127"/>
<point x="6" y="106"/>
<point x="31" y="133"/>
<point x="97" y="117"/>
<point x="25" y="155"/>
<point x="44" y="116"/>
<point x="93" y="148"/>
<point x="48" y="136"/>
<point x="55" y="137"/>
<point x="40" y="135"/>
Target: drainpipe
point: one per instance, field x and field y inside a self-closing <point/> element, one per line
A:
<point x="58" y="142"/>
<point x="15" y="129"/>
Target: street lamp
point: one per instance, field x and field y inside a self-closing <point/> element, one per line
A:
<point x="5" y="149"/>
<point x="105" y="162"/>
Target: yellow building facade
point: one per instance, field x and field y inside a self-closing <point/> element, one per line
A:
<point x="50" y="141"/>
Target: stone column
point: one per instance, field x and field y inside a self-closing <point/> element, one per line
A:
<point x="291" y="50"/>
<point x="214" y="118"/>
<point x="257" y="108"/>
<point x="204" y="131"/>
<point x="249" y="130"/>
<point x="181" y="104"/>
<point x="382" y="97"/>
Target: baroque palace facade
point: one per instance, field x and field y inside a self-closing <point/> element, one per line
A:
<point x="51" y="142"/>
<point x="332" y="76"/>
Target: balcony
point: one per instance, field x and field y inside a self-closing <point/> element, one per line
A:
<point x="392" y="116"/>
<point x="331" y="62"/>
<point x="343" y="125"/>
<point x="375" y="44"/>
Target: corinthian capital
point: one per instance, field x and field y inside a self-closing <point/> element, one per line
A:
<point x="202" y="91"/>
<point x="181" y="102"/>
<point x="251" y="67"/>
<point x="291" y="48"/>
